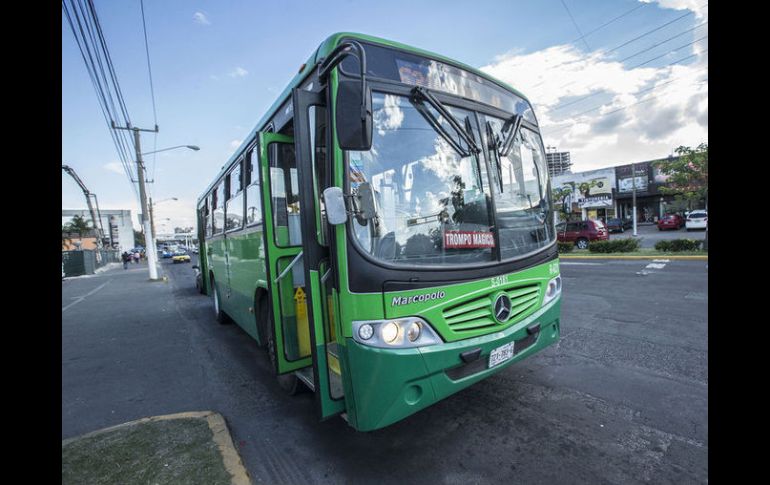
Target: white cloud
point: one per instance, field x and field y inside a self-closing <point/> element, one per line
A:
<point x="115" y="167"/>
<point x="606" y="114"/>
<point x="200" y="18"/>
<point x="235" y="143"/>
<point x="238" y="72"/>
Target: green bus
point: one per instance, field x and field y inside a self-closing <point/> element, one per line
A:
<point x="386" y="231"/>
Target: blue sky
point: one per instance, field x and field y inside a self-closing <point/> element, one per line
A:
<point x="218" y="65"/>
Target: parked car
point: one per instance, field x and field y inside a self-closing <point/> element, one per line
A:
<point x="671" y="221"/>
<point x="166" y="254"/>
<point x="618" y="225"/>
<point x="582" y="232"/>
<point x="696" y="220"/>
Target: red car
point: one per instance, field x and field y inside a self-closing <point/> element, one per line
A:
<point x="671" y="221"/>
<point x="581" y="232"/>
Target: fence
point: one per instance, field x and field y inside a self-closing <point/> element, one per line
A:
<point x="86" y="261"/>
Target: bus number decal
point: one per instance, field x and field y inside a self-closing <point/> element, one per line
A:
<point x="499" y="280"/>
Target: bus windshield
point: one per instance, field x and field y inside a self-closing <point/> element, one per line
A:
<point x="434" y="202"/>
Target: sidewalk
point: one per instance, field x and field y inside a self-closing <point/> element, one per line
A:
<point x="126" y="355"/>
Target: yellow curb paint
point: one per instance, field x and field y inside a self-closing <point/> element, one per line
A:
<point x="218" y="427"/>
<point x="232" y="459"/>
<point x="657" y="256"/>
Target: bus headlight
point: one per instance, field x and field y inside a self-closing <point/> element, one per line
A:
<point x="395" y="333"/>
<point x="552" y="289"/>
<point x="365" y="331"/>
<point x="390" y="332"/>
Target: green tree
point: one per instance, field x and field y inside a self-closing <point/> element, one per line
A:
<point x="560" y="196"/>
<point x="78" y="225"/>
<point x="138" y="238"/>
<point x="688" y="177"/>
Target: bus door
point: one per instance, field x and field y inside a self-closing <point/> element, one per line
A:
<point x="329" y="361"/>
<point x="284" y="252"/>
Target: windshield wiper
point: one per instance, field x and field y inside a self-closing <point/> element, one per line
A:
<point x="494" y="145"/>
<point x="506" y="145"/>
<point x="469" y="130"/>
<point x="418" y="96"/>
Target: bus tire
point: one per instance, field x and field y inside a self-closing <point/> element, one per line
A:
<point x="261" y="316"/>
<point x="288" y="382"/>
<point x="221" y="316"/>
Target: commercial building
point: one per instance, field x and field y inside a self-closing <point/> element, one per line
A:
<point x="591" y="193"/>
<point x="608" y="192"/>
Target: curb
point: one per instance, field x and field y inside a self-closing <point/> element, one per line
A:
<point x="659" y="256"/>
<point x="221" y="436"/>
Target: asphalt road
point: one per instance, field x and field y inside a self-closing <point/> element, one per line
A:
<point x="622" y="399"/>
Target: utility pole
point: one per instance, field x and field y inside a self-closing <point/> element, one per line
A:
<point x="152" y="219"/>
<point x="633" y="183"/>
<point x="152" y="253"/>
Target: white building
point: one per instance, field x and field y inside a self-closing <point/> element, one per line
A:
<point x="116" y="223"/>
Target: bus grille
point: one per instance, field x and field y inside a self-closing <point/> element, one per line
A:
<point x="477" y="314"/>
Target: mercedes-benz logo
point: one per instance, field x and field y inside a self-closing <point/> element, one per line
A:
<point x="503" y="308"/>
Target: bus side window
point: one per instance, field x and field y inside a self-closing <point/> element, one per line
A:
<point x="234" y="209"/>
<point x="253" y="192"/>
<point x="218" y="205"/>
<point x="204" y="217"/>
<point x="322" y="180"/>
<point x="284" y="190"/>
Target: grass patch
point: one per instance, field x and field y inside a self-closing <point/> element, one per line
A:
<point x="168" y="451"/>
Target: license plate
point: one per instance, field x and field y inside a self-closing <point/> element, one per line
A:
<point x="501" y="354"/>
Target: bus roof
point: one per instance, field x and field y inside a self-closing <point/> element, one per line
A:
<point x="322" y="51"/>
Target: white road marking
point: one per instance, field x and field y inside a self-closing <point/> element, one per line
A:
<point x="655" y="266"/>
<point x="78" y="299"/>
<point x="661" y="260"/>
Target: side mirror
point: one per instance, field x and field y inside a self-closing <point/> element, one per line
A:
<point x="334" y="202"/>
<point x="367" y="207"/>
<point x="354" y="115"/>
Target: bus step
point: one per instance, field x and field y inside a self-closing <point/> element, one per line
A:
<point x="306" y="376"/>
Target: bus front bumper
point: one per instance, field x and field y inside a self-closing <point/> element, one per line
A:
<point x="389" y="385"/>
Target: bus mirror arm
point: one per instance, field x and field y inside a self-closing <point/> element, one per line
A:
<point x="353" y="113"/>
<point x="336" y="204"/>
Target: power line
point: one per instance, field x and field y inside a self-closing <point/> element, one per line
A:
<point x="645" y="34"/>
<point x="611" y="21"/>
<point x="620" y="108"/>
<point x="582" y="36"/>
<point x="669" y="52"/>
<point x="84" y="23"/>
<point x="574" y="101"/>
<point x="152" y="90"/>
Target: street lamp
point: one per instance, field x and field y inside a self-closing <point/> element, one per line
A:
<point x="153" y="204"/>
<point x="191" y="147"/>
